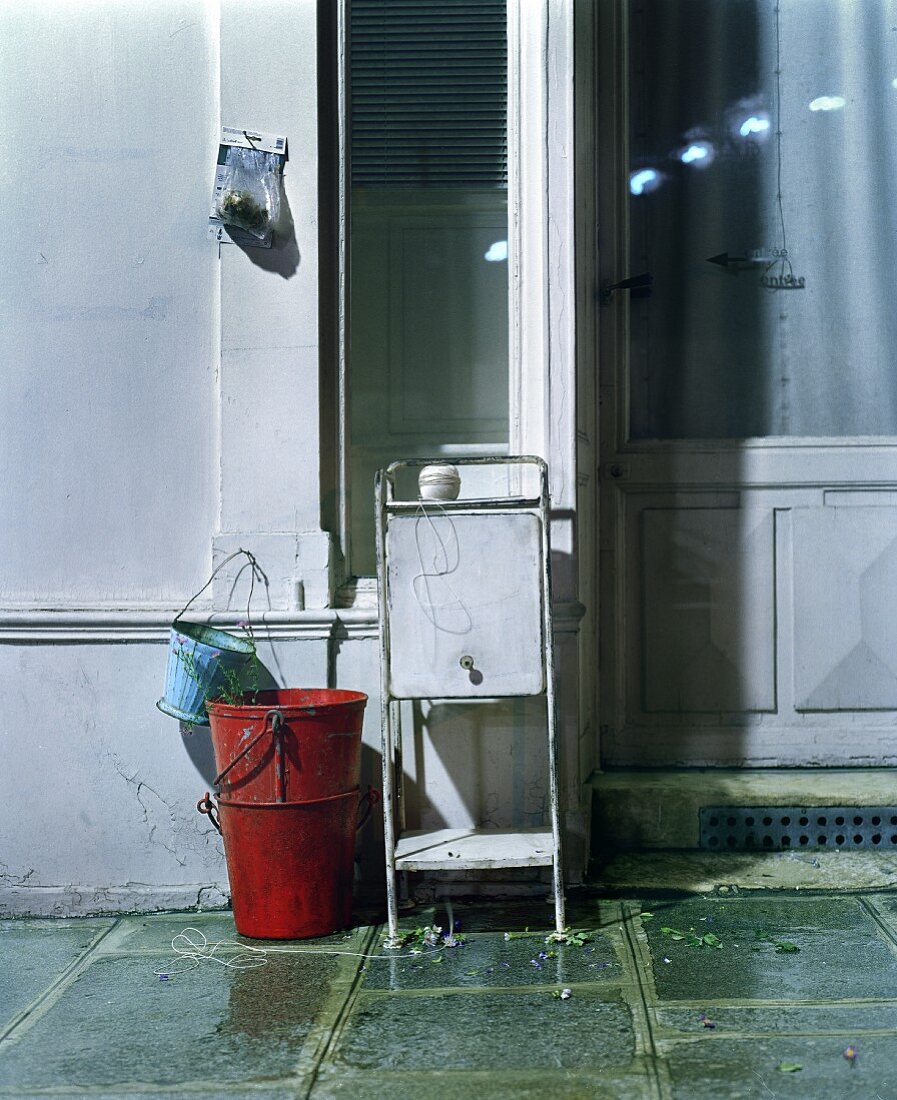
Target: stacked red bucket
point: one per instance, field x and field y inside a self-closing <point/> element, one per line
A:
<point x="289" y="764"/>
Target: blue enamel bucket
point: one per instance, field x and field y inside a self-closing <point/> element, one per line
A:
<point x="198" y="656"/>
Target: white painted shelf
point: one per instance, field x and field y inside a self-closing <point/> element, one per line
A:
<point x="473" y="849"/>
<point x="480" y="504"/>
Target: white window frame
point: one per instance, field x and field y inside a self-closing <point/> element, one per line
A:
<point x="541" y="278"/>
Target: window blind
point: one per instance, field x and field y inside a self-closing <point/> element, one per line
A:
<point x="428" y="93"/>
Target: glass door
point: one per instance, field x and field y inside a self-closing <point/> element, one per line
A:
<point x="748" y="464"/>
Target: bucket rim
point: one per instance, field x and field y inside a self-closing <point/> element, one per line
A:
<point x="182" y="715"/>
<point x="213" y="637"/>
<point x="264" y="701"/>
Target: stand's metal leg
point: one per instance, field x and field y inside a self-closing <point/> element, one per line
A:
<point x="560" y="918"/>
<point x="387" y="737"/>
<point x="551" y="705"/>
<point x="389" y="832"/>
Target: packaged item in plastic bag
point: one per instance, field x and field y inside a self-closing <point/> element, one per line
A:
<point x="250" y="197"/>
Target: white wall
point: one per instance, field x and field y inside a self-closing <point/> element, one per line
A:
<point x="143" y="429"/>
<point x="108" y="304"/>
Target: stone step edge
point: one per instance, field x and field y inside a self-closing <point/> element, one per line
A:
<point x="660" y="809"/>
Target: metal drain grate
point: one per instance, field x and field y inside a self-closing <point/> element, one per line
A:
<point x="752" y="828"/>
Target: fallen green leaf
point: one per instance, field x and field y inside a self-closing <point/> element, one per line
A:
<point x="577" y="939"/>
<point x="646" y="916"/>
<point x="789" y="1067"/>
<point x="691" y="937"/>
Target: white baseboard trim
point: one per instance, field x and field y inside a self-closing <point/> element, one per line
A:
<point x="93" y="901"/>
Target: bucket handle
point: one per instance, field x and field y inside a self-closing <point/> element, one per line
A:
<point x="256" y="574"/>
<point x="368" y="800"/>
<point x="208" y="807"/>
<point x="274" y="725"/>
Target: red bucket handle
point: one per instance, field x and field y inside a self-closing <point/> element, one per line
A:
<point x="371" y="797"/>
<point x="368" y="801"/>
<point x="207" y="806"/>
<point x="275" y="718"/>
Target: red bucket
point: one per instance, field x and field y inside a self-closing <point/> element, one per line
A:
<point x="288" y="745"/>
<point x="291" y="864"/>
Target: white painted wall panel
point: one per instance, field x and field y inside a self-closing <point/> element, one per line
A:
<point x="708" y="610"/>
<point x="108" y="306"/>
<point x="845" y="629"/>
<point x="269" y="298"/>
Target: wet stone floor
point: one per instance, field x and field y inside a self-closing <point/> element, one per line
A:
<point x="757" y="995"/>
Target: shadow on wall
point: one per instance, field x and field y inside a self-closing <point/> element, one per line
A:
<point x="198" y="740"/>
<point x="283" y="257"/>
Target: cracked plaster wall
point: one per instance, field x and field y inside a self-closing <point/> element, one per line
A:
<point x="99" y="793"/>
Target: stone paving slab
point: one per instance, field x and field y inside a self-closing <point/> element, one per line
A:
<point x="741" y="1069"/>
<point x="119" y="1025"/>
<point x="583" y="909"/>
<point x="295" y="1089"/>
<point x="885" y="907"/>
<point x="486" y="1030"/>
<point x="490" y="960"/>
<point x="33" y="953"/>
<point x="841" y="950"/>
<point x="155" y="933"/>
<point x="448" y="1085"/>
<point x="808" y="1019"/>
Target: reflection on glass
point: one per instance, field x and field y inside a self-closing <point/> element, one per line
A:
<point x="646" y="179"/>
<point x="427" y="345"/>
<point x="827" y="103"/>
<point x="700" y="153"/>
<point x="753" y="125"/>
<point x="790" y="329"/>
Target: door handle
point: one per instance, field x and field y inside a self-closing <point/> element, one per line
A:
<point x="639" y="286"/>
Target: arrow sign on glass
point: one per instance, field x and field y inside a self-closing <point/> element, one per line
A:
<point x="728" y="262"/>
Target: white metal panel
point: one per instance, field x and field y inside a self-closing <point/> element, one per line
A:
<point x="465" y="586"/>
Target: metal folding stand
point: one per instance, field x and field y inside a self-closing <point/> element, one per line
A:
<point x="465" y="614"/>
